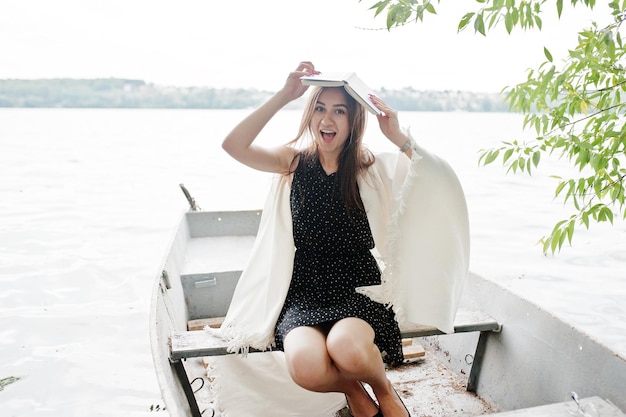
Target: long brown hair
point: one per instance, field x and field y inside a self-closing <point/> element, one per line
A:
<point x="353" y="158"/>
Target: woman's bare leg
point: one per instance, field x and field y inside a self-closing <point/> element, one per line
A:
<point x="350" y="345"/>
<point x="311" y="367"/>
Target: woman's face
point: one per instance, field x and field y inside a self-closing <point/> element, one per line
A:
<point x="330" y="122"/>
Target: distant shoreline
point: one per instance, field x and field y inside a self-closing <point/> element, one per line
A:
<point x="131" y="94"/>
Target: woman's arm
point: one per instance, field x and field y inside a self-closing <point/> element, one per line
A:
<point x="390" y="126"/>
<point x="239" y="142"/>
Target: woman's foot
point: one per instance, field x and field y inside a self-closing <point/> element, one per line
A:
<point x="391" y="404"/>
<point x="404" y="405"/>
<point x="361" y="404"/>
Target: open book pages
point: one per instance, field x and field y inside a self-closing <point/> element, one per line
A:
<point x="348" y="80"/>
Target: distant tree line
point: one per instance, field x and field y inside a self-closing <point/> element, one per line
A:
<point x="123" y="93"/>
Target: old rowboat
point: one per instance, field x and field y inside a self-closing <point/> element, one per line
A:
<point x="507" y="354"/>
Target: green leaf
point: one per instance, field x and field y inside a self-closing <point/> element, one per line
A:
<point x="397" y="14"/>
<point x="559" y="188"/>
<point x="547" y="54"/>
<point x="465" y="20"/>
<point x="508" y="22"/>
<point x="606" y="214"/>
<point x="507" y="154"/>
<point x="479" y="24"/>
<point x="491" y="156"/>
<point x="380" y="7"/>
<point x="515" y="15"/>
<point x="555" y="238"/>
<point x="570" y="231"/>
<point x="585" y="219"/>
<point x="536" y="158"/>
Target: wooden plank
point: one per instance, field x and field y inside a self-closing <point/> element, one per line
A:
<point x="465" y="321"/>
<point x="409" y="352"/>
<point x="567" y="409"/>
<point x="193" y="344"/>
<point x="413" y="351"/>
<point x="200" y="324"/>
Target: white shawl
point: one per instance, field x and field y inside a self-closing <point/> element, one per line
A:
<point x="418" y="216"/>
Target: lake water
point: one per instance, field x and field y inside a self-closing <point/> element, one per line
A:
<point x="89" y="200"/>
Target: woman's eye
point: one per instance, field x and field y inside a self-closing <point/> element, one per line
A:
<point x="340" y="111"/>
<point x="319" y="108"/>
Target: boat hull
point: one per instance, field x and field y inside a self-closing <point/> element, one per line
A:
<point x="536" y="359"/>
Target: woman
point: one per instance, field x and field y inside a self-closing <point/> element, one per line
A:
<point x="334" y="337"/>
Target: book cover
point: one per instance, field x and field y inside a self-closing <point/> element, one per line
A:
<point x="348" y="80"/>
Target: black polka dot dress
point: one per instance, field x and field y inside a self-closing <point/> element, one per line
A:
<point x="332" y="258"/>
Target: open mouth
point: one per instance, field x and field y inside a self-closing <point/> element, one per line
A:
<point x="327" y="135"/>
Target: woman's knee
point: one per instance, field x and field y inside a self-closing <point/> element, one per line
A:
<point x="307" y="360"/>
<point x="307" y="372"/>
<point x="351" y="344"/>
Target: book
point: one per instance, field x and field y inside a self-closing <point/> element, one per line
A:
<point x="349" y="81"/>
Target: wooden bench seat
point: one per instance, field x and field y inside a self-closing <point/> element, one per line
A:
<point x="193" y="344"/>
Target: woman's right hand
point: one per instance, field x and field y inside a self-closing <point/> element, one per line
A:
<point x="239" y="142"/>
<point x="293" y="88"/>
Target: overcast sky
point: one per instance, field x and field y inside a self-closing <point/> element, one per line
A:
<point x="255" y="43"/>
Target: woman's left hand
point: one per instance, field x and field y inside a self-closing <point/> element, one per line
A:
<point x="388" y="122"/>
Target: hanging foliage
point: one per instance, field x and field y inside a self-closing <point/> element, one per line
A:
<point x="576" y="109"/>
